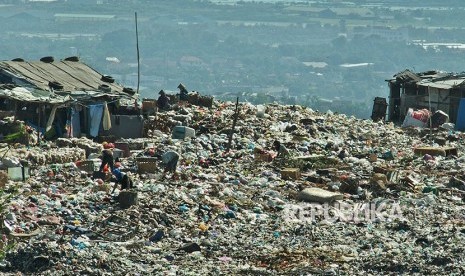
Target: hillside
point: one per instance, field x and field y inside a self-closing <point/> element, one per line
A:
<point x="382" y="209"/>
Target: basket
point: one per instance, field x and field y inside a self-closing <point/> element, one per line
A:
<point x="263" y="157"/>
<point x="146" y="164"/>
<point x="89" y="165"/>
<point x="149" y="105"/>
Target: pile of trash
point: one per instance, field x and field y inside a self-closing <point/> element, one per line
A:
<point x="341" y="196"/>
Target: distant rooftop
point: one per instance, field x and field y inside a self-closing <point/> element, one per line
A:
<point x="83" y="16"/>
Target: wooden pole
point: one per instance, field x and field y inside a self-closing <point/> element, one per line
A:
<point x="16" y="111"/>
<point x="38" y="124"/>
<point x="236" y="114"/>
<point x="138" y="56"/>
<point x="430" y="122"/>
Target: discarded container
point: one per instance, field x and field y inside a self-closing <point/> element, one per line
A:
<point x="146" y="164"/>
<point x="439" y="117"/>
<point x="117" y="153"/>
<point x="127" y="199"/>
<point x="290" y="173"/>
<point x="435" y="151"/>
<point x="18" y="173"/>
<point x="181" y="132"/>
<point x="149" y="105"/>
<point x="124" y="147"/>
<point x="263" y="157"/>
<point x="89" y="165"/>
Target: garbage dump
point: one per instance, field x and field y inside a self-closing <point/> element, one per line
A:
<point x="338" y="196"/>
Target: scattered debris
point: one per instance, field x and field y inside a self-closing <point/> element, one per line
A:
<point x="387" y="203"/>
<point x="319" y="195"/>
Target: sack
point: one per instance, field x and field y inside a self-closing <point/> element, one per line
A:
<point x="416" y="118"/>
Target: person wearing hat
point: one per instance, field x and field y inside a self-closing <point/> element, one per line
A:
<point x="163" y="101"/>
<point x="121" y="178"/>
<point x="183" y="93"/>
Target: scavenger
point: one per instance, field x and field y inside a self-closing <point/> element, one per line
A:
<point x="121" y="178"/>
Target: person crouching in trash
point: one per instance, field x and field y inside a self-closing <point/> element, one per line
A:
<point x="121" y="178"/>
<point x="282" y="151"/>
<point x="170" y="162"/>
<point x="283" y="154"/>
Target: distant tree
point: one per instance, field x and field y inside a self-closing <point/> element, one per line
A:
<point x="343" y="25"/>
<point x="327" y="13"/>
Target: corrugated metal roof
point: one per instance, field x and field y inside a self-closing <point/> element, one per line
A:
<point x="407" y="76"/>
<point x="443" y="84"/>
<point x="72" y="75"/>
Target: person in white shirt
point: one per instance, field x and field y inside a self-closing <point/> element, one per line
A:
<point x="280" y="149"/>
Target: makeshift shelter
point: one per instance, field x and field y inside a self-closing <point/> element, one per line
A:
<point x="67" y="98"/>
<point x="430" y="90"/>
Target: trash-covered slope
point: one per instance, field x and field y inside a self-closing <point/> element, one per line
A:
<point x="357" y="197"/>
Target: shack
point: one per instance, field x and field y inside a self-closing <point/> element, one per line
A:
<point x="67" y="98"/>
<point x="432" y="90"/>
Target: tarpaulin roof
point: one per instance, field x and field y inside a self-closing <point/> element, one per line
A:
<point x="37" y="96"/>
<point x="68" y="75"/>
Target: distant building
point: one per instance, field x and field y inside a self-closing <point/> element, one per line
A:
<point x="43" y="1"/>
<point x="82" y="17"/>
<point x="387" y="33"/>
<point x="315" y="64"/>
<point x="432" y="90"/>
